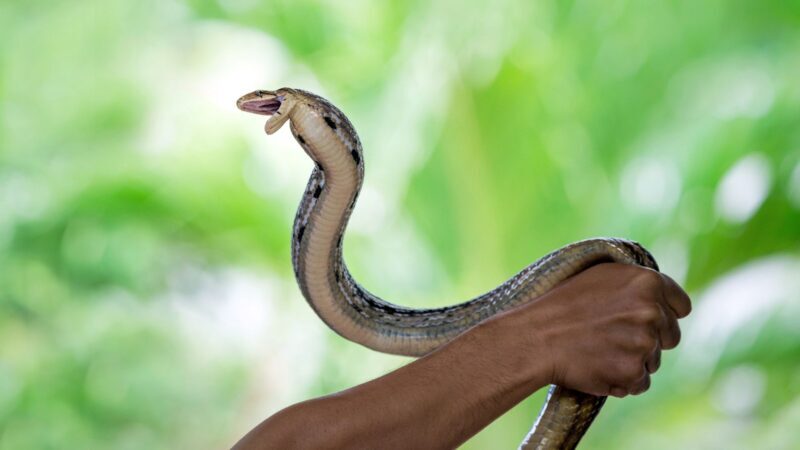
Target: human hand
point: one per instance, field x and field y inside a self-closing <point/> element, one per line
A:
<point x="602" y="331"/>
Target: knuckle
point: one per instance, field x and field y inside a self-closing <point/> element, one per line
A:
<point x="647" y="279"/>
<point x="643" y="342"/>
<point x="649" y="314"/>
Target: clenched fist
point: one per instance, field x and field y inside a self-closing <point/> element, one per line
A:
<point x="602" y="331"/>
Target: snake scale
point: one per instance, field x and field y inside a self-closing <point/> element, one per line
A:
<point x="328" y="137"/>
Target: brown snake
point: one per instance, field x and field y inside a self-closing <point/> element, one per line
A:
<point x="329" y="138"/>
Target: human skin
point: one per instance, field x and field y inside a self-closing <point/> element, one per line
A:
<point x="599" y="332"/>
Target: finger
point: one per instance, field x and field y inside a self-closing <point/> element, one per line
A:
<point x="663" y="327"/>
<point x="676" y="298"/>
<point x="641" y="386"/>
<point x="669" y="333"/>
<point x="618" y="392"/>
<point x="653" y="361"/>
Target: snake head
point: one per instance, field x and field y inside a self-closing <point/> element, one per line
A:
<point x="277" y="104"/>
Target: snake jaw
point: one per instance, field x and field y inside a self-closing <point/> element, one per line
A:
<point x="276" y="104"/>
<point x="267" y="103"/>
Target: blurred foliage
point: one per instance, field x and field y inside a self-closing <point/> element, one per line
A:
<point x="137" y="210"/>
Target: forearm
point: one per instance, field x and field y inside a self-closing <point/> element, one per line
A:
<point x="600" y="332"/>
<point x="437" y="401"/>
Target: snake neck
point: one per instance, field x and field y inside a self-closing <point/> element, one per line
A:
<point x="319" y="227"/>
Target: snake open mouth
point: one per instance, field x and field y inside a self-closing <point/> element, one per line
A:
<point x="260" y="102"/>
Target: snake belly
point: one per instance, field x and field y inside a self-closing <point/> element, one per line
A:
<point x="329" y="138"/>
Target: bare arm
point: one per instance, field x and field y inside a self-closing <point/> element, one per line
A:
<point x="600" y="332"/>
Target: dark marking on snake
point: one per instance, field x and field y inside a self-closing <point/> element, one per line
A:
<point x="355" y="156"/>
<point x="300" y="138"/>
<point x="381" y="306"/>
<point x="330" y="122"/>
<point x="300" y="233"/>
<point x="317" y="191"/>
<point x="634" y="251"/>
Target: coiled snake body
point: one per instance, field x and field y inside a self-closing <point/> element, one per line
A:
<point x="329" y="138"/>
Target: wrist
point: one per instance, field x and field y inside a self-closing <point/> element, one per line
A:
<point x="518" y="349"/>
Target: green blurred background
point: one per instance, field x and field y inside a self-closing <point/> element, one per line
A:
<point x="146" y="293"/>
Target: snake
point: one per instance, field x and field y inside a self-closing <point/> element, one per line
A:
<point x="330" y="140"/>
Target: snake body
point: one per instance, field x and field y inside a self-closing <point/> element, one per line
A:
<point x="329" y="138"/>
